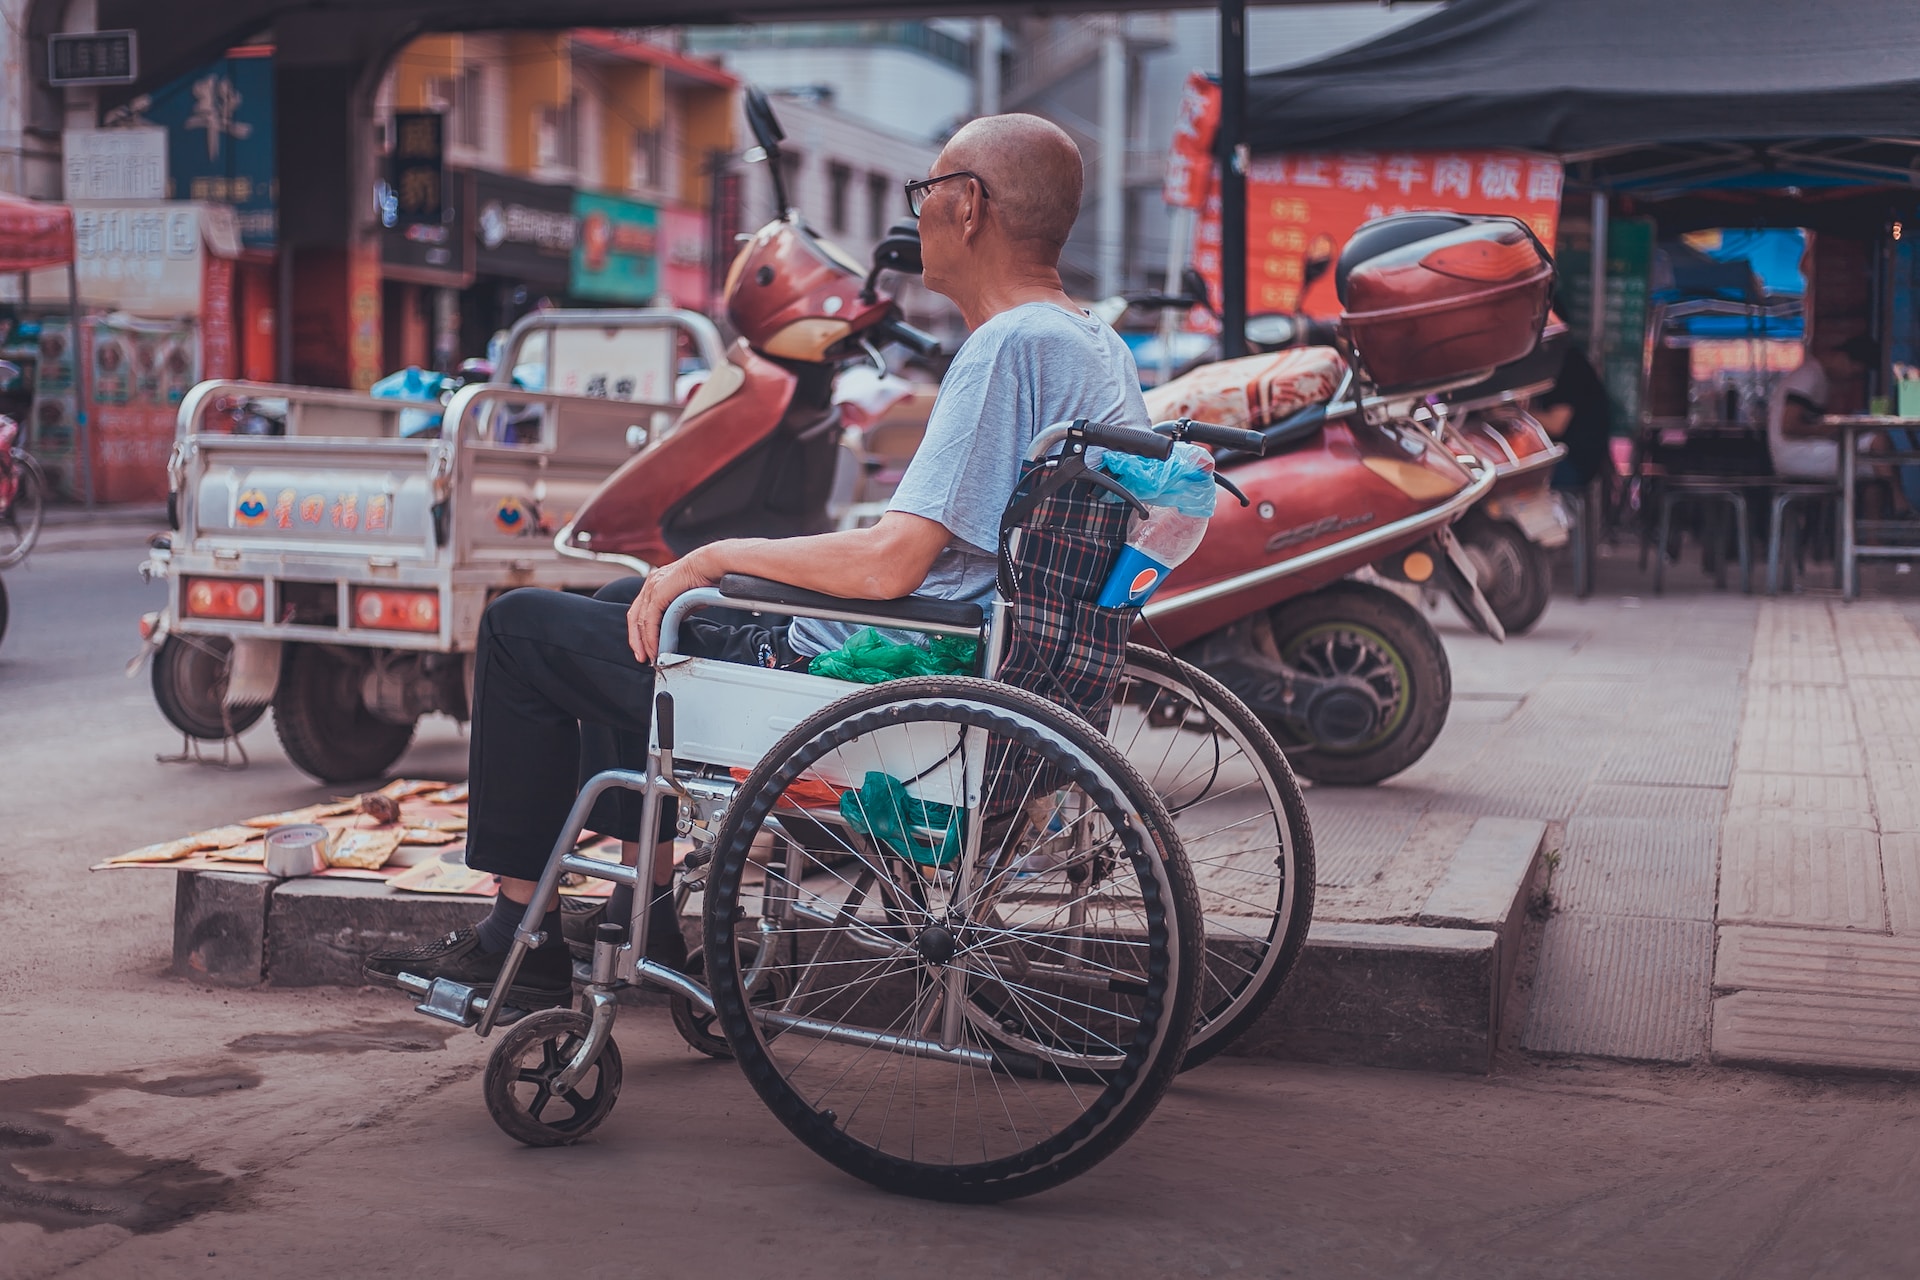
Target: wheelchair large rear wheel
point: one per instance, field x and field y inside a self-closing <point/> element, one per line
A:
<point x="1242" y="823"/>
<point x="951" y="1025"/>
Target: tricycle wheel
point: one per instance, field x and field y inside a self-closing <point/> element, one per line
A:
<point x="323" y="721"/>
<point x="190" y="684"/>
<point x="520" y="1075"/>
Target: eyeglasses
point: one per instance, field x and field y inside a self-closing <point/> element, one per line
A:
<point x="917" y="191"/>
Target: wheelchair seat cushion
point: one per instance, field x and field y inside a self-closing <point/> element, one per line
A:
<point x="906" y="610"/>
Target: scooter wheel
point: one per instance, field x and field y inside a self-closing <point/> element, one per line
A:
<point x="1392" y="683"/>
<point x="1515" y="575"/>
<point x="520" y="1090"/>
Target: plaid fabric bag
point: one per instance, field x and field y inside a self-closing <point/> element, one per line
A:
<point x="1062" y="645"/>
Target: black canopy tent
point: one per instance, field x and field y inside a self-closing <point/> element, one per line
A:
<point x="1575" y="77"/>
<point x="1777" y="105"/>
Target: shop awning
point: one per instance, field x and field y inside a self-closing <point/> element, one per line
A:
<point x="34" y="235"/>
<point x="1583" y="77"/>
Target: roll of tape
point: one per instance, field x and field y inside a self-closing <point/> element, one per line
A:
<point x="298" y="850"/>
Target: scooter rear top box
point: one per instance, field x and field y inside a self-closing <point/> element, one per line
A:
<point x="1445" y="306"/>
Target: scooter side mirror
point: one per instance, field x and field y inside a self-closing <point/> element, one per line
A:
<point x="1270" y="332"/>
<point x="768" y="133"/>
<point x="764" y="124"/>
<point x="898" y="251"/>
<point x="1194" y="285"/>
<point x="1319" y="261"/>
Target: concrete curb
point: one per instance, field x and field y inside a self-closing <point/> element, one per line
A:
<point x="1428" y="995"/>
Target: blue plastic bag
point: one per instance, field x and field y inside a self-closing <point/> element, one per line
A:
<point x="412" y="383"/>
<point x="1182" y="480"/>
<point x="1179" y="494"/>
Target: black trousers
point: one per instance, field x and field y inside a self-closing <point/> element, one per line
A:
<point x="557" y="697"/>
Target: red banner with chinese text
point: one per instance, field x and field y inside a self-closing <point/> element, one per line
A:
<point x="1190" y="163"/>
<point x="1293" y="199"/>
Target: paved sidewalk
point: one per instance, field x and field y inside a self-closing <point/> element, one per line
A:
<point x="1615" y="722"/>
<point x="1733" y="788"/>
<point x="1819" y="911"/>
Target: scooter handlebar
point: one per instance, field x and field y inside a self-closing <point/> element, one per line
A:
<point x="918" y="341"/>
<point x="1218" y="437"/>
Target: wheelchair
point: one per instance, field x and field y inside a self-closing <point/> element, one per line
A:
<point x="951" y="932"/>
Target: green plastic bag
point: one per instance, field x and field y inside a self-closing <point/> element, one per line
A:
<point x="917" y="830"/>
<point x="870" y="658"/>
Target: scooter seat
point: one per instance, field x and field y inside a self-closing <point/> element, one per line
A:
<point x="907" y="609"/>
<point x="1253" y="392"/>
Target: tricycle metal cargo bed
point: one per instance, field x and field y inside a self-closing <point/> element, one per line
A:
<point x="338" y="571"/>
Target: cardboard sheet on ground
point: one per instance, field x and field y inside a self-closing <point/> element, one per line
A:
<point x="423" y="852"/>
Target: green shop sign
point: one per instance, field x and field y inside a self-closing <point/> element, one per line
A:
<point x="614" y="258"/>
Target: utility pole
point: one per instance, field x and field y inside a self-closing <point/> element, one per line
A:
<point x="1233" y="178"/>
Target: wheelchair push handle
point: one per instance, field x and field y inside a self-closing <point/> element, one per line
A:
<point x="1217" y="437"/>
<point x="1134" y="440"/>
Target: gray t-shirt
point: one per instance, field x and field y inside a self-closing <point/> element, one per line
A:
<point x="1022" y="371"/>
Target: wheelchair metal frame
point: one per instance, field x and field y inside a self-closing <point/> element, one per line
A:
<point x="619" y="954"/>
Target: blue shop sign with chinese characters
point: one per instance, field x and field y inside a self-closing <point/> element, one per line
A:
<point x="220" y="139"/>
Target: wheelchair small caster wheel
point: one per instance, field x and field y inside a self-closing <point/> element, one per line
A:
<point x="520" y="1075"/>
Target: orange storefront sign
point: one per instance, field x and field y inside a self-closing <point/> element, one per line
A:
<point x="1294" y="199"/>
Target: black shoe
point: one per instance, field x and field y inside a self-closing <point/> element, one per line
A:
<point x="666" y="944"/>
<point x="545" y="977"/>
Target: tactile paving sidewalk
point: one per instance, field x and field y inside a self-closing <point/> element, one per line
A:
<point x="1818" y="963"/>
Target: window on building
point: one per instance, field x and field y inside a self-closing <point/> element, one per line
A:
<point x="469" y="97"/>
<point x="839" y="179"/>
<point x="648" y="161"/>
<point x="557" y="140"/>
<point x="878" y="184"/>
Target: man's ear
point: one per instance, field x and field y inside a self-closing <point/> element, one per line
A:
<point x="972" y="215"/>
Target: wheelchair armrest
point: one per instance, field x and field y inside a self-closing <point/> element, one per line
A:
<point x="906" y="610"/>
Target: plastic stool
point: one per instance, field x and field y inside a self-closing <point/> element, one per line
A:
<point x="1785" y="494"/>
<point x="1728" y="489"/>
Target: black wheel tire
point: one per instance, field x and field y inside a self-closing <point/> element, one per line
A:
<point x="700" y="1029"/>
<point x="6" y="610"/>
<point x="323" y="722"/>
<point x="1125" y="1098"/>
<point x="189" y="679"/>
<point x="28" y="510"/>
<point x="1214" y="1033"/>
<point x="551" y="1037"/>
<point x="1515" y="574"/>
<point x="1413" y="643"/>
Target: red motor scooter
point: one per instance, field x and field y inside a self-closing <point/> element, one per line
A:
<point x="754" y="452"/>
<point x="1351" y="678"/>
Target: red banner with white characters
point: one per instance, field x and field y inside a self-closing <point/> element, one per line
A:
<point x="1292" y="200"/>
<point x="1190" y="162"/>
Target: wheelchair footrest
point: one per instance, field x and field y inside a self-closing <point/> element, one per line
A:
<point x="449" y="1001"/>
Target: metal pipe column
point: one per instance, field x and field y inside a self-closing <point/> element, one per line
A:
<point x="1233" y="178"/>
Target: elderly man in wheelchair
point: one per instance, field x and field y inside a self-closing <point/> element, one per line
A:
<point x="950" y="933"/>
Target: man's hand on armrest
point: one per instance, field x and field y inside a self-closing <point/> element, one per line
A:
<point x="883" y="562"/>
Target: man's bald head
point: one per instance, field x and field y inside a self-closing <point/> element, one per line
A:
<point x="1033" y="175"/>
